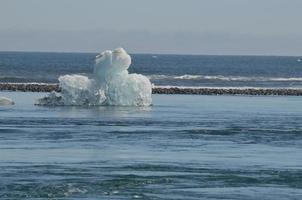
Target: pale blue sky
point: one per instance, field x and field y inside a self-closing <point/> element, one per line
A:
<point x="265" y="27"/>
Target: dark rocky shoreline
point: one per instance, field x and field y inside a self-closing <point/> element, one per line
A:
<point x="40" y="87"/>
<point x="29" y="87"/>
<point x="229" y="91"/>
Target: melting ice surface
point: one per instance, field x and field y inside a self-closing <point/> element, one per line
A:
<point x="4" y="101"/>
<point x="111" y="84"/>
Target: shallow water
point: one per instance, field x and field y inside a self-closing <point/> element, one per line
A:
<point x="183" y="147"/>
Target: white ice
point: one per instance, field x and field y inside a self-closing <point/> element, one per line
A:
<point x="111" y="84"/>
<point x="5" y="101"/>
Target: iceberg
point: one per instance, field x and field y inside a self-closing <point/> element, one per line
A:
<point x="111" y="84"/>
<point x="4" y="101"/>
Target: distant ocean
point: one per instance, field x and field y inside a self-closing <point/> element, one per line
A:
<point x="163" y="70"/>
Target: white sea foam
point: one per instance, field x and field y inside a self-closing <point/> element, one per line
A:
<point x="111" y="84"/>
<point x="219" y="87"/>
<point x="225" y="78"/>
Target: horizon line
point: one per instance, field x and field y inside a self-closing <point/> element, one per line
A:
<point x="148" y="53"/>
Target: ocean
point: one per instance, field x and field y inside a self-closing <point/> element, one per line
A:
<point x="182" y="147"/>
<point x="197" y="147"/>
<point x="163" y="70"/>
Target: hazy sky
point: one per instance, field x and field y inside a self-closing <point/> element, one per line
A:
<point x="265" y="27"/>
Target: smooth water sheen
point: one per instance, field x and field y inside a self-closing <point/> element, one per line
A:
<point x="163" y="70"/>
<point x="198" y="147"/>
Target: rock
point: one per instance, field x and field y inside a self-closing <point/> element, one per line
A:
<point x="4" y="101"/>
<point x="29" y="87"/>
<point x="32" y="87"/>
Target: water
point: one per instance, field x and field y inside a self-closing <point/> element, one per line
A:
<point x="164" y="70"/>
<point x="198" y="147"/>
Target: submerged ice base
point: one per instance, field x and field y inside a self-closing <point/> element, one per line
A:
<point x="111" y="84"/>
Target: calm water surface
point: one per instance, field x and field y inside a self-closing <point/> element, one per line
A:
<point x="183" y="147"/>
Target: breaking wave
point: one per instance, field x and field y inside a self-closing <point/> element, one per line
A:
<point x="224" y="78"/>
